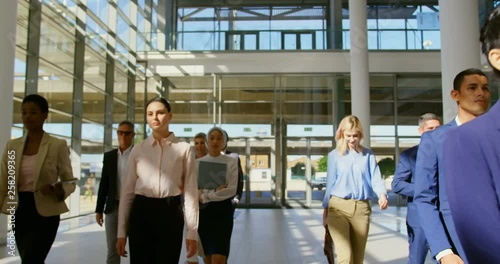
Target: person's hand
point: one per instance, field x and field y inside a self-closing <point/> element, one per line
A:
<point x="325" y="217"/>
<point x="200" y="196"/>
<point x="382" y="202"/>
<point x="191" y="247"/>
<point x="47" y="189"/>
<point x="451" y="259"/>
<point x="99" y="219"/>
<point x="221" y="187"/>
<point x="120" y="246"/>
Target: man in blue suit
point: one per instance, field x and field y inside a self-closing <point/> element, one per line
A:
<point x="472" y="94"/>
<point x="404" y="184"/>
<point x="471" y="158"/>
<point x="113" y="171"/>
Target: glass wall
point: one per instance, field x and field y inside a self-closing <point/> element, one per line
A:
<point x="84" y="72"/>
<point x="390" y="27"/>
<point x="282" y="125"/>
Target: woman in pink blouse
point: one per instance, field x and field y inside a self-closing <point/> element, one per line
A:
<point x="159" y="171"/>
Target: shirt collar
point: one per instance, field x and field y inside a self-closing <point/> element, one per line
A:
<point x="126" y="152"/>
<point x="457" y="121"/>
<point x="164" y="141"/>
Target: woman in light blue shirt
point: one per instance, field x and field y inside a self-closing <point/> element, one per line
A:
<point x="353" y="178"/>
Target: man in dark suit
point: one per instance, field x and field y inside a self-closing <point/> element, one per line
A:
<point x="471" y="158"/>
<point x="472" y="94"/>
<point x="404" y="184"/>
<point x="108" y="196"/>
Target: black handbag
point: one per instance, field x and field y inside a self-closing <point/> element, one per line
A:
<point x="328" y="247"/>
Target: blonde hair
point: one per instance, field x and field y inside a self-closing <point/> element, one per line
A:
<point x="348" y="123"/>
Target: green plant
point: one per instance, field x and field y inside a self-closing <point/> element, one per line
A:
<point x="299" y="170"/>
<point x="387" y="167"/>
<point x="323" y="164"/>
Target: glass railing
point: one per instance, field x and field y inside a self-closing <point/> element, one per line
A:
<point x="381" y="39"/>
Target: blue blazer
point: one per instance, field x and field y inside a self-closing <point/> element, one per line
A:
<point x="404" y="182"/>
<point x="472" y="169"/>
<point x="430" y="193"/>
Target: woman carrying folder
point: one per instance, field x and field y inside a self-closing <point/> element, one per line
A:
<point x="216" y="213"/>
<point x="35" y="178"/>
<point x="159" y="170"/>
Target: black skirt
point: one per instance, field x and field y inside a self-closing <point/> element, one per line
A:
<point x="215" y="227"/>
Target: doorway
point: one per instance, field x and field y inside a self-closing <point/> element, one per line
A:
<point x="274" y="122"/>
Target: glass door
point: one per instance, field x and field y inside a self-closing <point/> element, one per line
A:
<point x="242" y="40"/>
<point x="248" y="114"/>
<point x="308" y="116"/>
<point x="298" y="40"/>
<point x="306" y="170"/>
<point x="260" y="177"/>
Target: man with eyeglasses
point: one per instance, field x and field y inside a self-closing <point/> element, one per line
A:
<point x="108" y="197"/>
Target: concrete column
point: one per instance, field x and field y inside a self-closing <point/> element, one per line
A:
<point x="308" y="174"/>
<point x="339" y="100"/>
<point x="248" y="168"/>
<point x="149" y="17"/>
<point x="131" y="94"/>
<point x="274" y="161"/>
<point x="170" y="23"/>
<point x="282" y="181"/>
<point x="33" y="49"/>
<point x="8" y="13"/>
<point x="460" y="47"/>
<point x="360" y="82"/>
<point x="108" y="99"/>
<point x="77" y="119"/>
<point x="231" y="43"/>
<point x="334" y="24"/>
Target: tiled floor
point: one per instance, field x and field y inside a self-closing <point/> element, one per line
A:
<point x="259" y="236"/>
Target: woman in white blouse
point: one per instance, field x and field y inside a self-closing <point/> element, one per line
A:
<point x="159" y="171"/>
<point x="216" y="213"/>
